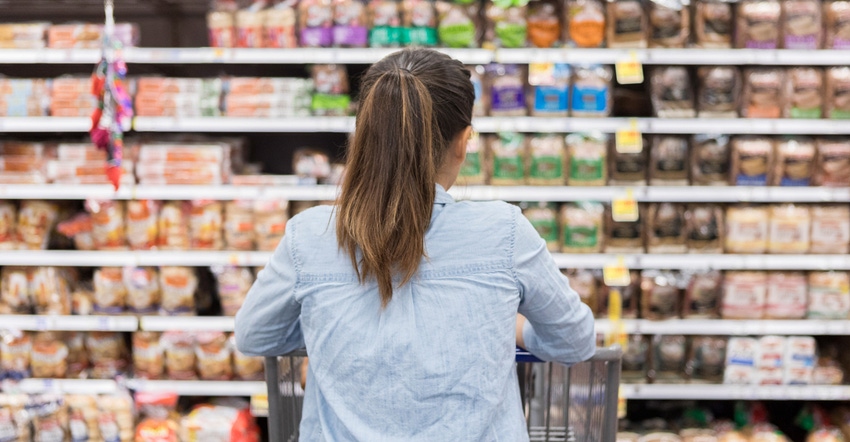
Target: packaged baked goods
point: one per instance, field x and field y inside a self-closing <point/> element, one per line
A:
<point x="159" y="420"/>
<point x="747" y="229"/>
<point x="270" y="219"/>
<point x="108" y="226"/>
<point x="584" y="283"/>
<point x="506" y="86"/>
<point x="704" y="229"/>
<point x="828" y="371"/>
<point x="591" y="90"/>
<point x="705" y="363"/>
<point x="82" y="301"/>
<point x="173" y="226"/>
<point x="180" y="357"/>
<point x="587" y="159"/>
<point x="205" y="226"/>
<point x="15" y="295"/>
<point x="752" y="160"/>
<point x="110" y="293"/>
<point x="213" y="355"/>
<point x="829" y="295"/>
<point x="659" y="437"/>
<point x="35" y="222"/>
<point x="178" y="285"/>
<point x="744" y="295"/>
<point x="142" y="224"/>
<point x="758" y="25"/>
<point x="115" y="420"/>
<point x="623" y="236"/>
<point x="764" y="93"/>
<point x="506" y="25"/>
<point x="801" y="24"/>
<point x="550" y="96"/>
<point x="482" y="94"/>
<point x="246" y="368"/>
<point x="49" y="356"/>
<point x="787" y="294"/>
<point x="148" y="355"/>
<point x="15" y="349"/>
<point x="836" y="17"/>
<point x="222" y="28"/>
<point x="669" y="23"/>
<point x="635" y="355"/>
<point x="805" y="93"/>
<point x="508" y="155"/>
<point x="627" y="24"/>
<point x="629" y="297"/>
<point x="239" y="225"/>
<point x="78" y="228"/>
<point x="457" y="28"/>
<point x="795" y="162"/>
<point x="473" y="170"/>
<point x="837" y="93"/>
<point x="703" y="295"/>
<point x="833" y="164"/>
<point x="672" y="92"/>
<point x="219" y="422"/>
<point x="713" y="24"/>
<point x="547" y="160"/>
<point x="107" y="353"/>
<point x="50" y="289"/>
<point x="710" y="160"/>
<point x="78" y="357"/>
<point x="719" y="91"/>
<point x="49" y="417"/>
<point x="666" y="231"/>
<point x="544" y="218"/>
<point x="330" y="97"/>
<point x="586" y="23"/>
<point x="741" y="355"/>
<point x="315" y="20"/>
<point x="544" y="23"/>
<point x="628" y="168"/>
<point x="667" y="365"/>
<point x="800" y="359"/>
<point x="349" y="27"/>
<point x="8" y="219"/>
<point x="419" y="18"/>
<point x="661" y="295"/>
<point x="249" y="28"/>
<point x="142" y="289"/>
<point x="83" y="417"/>
<point x="279" y="30"/>
<point x="581" y="227"/>
<point x="790" y="226"/>
<point x="668" y="164"/>
<point x="770" y="359"/>
<point x="233" y="285"/>
<point x="830" y="229"/>
<point x="384" y="23"/>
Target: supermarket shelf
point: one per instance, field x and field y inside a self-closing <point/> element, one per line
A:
<point x="67" y="386"/>
<point x="225" y="193"/>
<point x="43" y="124"/>
<point x="736" y="392"/>
<point x="693" y="56"/>
<point x="199" y="388"/>
<point x="187" y="323"/>
<point x="131" y="258"/>
<point x="69" y="323"/>
<point x="806" y="327"/>
<point x="231" y="124"/>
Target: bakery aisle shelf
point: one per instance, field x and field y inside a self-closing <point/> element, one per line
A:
<point x="727" y="327"/>
<point x="44" y="124"/>
<point x="199" y="388"/>
<point x="233" y="124"/>
<point x="73" y="258"/>
<point x="736" y="392"/>
<point x="67" y="386"/>
<point x="187" y="323"/>
<point x="69" y="323"/>
<point x="166" y="192"/>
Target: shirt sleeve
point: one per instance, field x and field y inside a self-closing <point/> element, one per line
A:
<point x="268" y="324"/>
<point x="559" y="326"/>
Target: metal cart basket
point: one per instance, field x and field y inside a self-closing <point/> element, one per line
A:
<point x="576" y="404"/>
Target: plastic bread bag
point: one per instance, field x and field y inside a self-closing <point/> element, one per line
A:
<point x="180" y="356"/>
<point x="142" y="224"/>
<point x="703" y="295"/>
<point x="78" y="228"/>
<point x="795" y="162"/>
<point x="668" y="163"/>
<point x="108" y="224"/>
<point x="624" y="236"/>
<point x="158" y="417"/>
<point x="473" y="171"/>
<point x="544" y="217"/>
<point x="669" y="23"/>
<point x="213" y="355"/>
<point x="419" y="18"/>
<point x="584" y="283"/>
<point x="458" y="24"/>
<point x="350" y="20"/>
<point x="384" y="23"/>
<point x="50" y="289"/>
<point x="8" y="219"/>
<point x="544" y="23"/>
<point x="35" y="222"/>
<point x="239" y="225"/>
<point x="661" y="296"/>
<point x="83" y="417"/>
<point x="279" y="30"/>
<point x="666" y="232"/>
<point x="587" y="155"/>
<point x="635" y="359"/>
<point x="705" y="364"/>
<point x="833" y="164"/>
<point x="787" y="294"/>
<point x="148" y="356"/>
<point x="550" y="95"/>
<point x="829" y="295"/>
<point x="205" y="225"/>
<point x="719" y="91"/>
<point x="173" y="226"/>
<point x="315" y="19"/>
<point x="15" y="350"/>
<point x="15" y="297"/>
<point x="249" y="26"/>
<point x="270" y="217"/>
<point x="747" y="229"/>
<point x="233" y="285"/>
<point x="704" y="228"/>
<point x="246" y="368"/>
<point x="838" y="93"/>
<point x="713" y="24"/>
<point x="115" y="420"/>
<point x="49" y="356"/>
<point x="482" y="94"/>
<point x="758" y="25"/>
<point x="802" y="24"/>
<point x="830" y="229"/>
<point x="744" y="295"/>
<point x="78" y="357"/>
<point x="331" y="97"/>
<point x="764" y="93"/>
<point x="805" y="93"/>
<point x="49" y="417"/>
<point x="506" y="25"/>
<point x="508" y="154"/>
<point x="506" y="86"/>
<point x="586" y="23"/>
<point x="627" y="24"/>
<point x="110" y="293"/>
<point x="14" y="417"/>
<point x="311" y="163"/>
<point x="222" y="26"/>
<point x="143" y="292"/>
<point x="628" y="168"/>
<point x="669" y="355"/>
<point x="752" y="161"/>
<point x="107" y="353"/>
<point x="710" y="160"/>
<point x="178" y="285"/>
<point x="591" y="91"/>
<point x="547" y="160"/>
<point x="837" y="23"/>
<point x="672" y="92"/>
<point x="629" y="297"/>
<point x="582" y="227"/>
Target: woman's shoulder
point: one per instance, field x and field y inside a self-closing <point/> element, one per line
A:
<point x="312" y="220"/>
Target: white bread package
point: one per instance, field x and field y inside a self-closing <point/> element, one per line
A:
<point x="741" y="354"/>
<point x="829" y="295"/>
<point x="744" y="295"/>
<point x="787" y="295"/>
<point x="830" y="229"/>
<point x="800" y="358"/>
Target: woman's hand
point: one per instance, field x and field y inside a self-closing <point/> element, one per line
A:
<point x="304" y="373"/>
<point x="520" y="322"/>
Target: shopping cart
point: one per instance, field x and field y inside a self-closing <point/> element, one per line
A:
<point x="564" y="404"/>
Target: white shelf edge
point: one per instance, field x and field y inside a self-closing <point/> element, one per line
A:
<point x="71" y="258"/>
<point x="199" y="388"/>
<point x="44" y="124"/>
<point x="187" y="323"/>
<point x="727" y="327"/>
<point x="735" y="392"/>
<point x="69" y="323"/>
<point x="66" y="386"/>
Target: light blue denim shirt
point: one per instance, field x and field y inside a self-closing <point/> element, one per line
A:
<point x="438" y="363"/>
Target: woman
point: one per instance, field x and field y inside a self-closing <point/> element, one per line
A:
<point x="407" y="301"/>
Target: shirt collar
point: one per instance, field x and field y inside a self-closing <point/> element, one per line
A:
<point x="442" y="197"/>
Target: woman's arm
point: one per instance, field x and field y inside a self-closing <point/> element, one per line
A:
<point x="558" y="326"/>
<point x="268" y="323"/>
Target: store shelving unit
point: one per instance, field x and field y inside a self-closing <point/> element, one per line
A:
<point x="69" y="323"/>
<point x="726" y="327"/>
<point x="736" y="392"/>
<point x="199" y="388"/>
<point x="188" y="323"/>
<point x="67" y="386"/>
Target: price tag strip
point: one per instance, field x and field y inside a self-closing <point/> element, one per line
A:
<point x="625" y="208"/>
<point x="629" y="139"/>
<point x="629" y="70"/>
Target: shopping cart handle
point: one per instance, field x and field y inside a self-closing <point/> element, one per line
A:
<point x="524" y="356"/>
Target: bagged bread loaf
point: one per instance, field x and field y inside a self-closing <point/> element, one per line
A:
<point x="107" y="353"/>
<point x="78" y="357"/>
<point x="419" y="18"/>
<point x="8" y="218"/>
<point x="315" y="20"/>
<point x="790" y="226"/>
<point x="587" y="159"/>
<point x="550" y="95"/>
<point x="108" y="225"/>
<point x="666" y="231"/>
<point x="635" y="358"/>
<point x="833" y="163"/>
<point x="110" y="293"/>
<point x="547" y="160"/>
<point x="802" y="24"/>
<point x="758" y="25"/>
<point x="213" y="354"/>
<point x="795" y="162"/>
<point x="457" y="28"/>
<point x="710" y="160"/>
<point x="50" y="288"/>
<point x="838" y="93"/>
<point x="15" y="295"/>
<point x="15" y="351"/>
<point x="704" y="229"/>
<point x="83" y="417"/>
<point x="703" y="295"/>
<point x="764" y="93"/>
<point x="713" y="24"/>
<point x="508" y="154"/>
<point x="143" y="291"/>
<point x="142" y="224"/>
<point x="747" y="229"/>
<point x="672" y="92"/>
<point x="544" y="218"/>
<point x="805" y="93"/>
<point x="233" y="285"/>
<point x="629" y="297"/>
<point x="669" y="355"/>
<point x="744" y="295"/>
<point x="246" y="368"/>
<point x="741" y="356"/>
<point x="830" y="229"/>
<point x="668" y="165"/>
<point x="705" y="364"/>
<point x="752" y="160"/>
<point x="829" y="295"/>
<point x="477" y="74"/>
<point x="473" y="171"/>
<point x="180" y="356"/>
<point x="719" y="91"/>
<point x="35" y="222"/>
<point x="349" y="24"/>
<point x="506" y="84"/>
<point x="279" y="30"/>
<point x="174" y="226"/>
<point x="800" y="360"/>
<point x="178" y="285"/>
<point x="661" y="296"/>
<point x="581" y="227"/>
<point x="239" y="225"/>
<point x="49" y="356"/>
<point x="384" y="23"/>
<point x="628" y="168"/>
<point x="506" y="26"/>
<point x="205" y="225"/>
<point x="669" y="23"/>
<point x="591" y="91"/>
<point x="626" y="24"/>
<point x="148" y="355"/>
<point x="270" y="217"/>
<point x="584" y="283"/>
<point x="837" y="24"/>
<point x="787" y="294"/>
<point x="586" y="23"/>
<point x="624" y="236"/>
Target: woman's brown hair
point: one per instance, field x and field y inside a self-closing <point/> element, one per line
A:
<point x="413" y="103"/>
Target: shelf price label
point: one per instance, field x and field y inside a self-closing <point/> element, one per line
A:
<point x="625" y="208"/>
<point x="616" y="274"/>
<point x="629" y="139"/>
<point x="541" y="74"/>
<point x="629" y="70"/>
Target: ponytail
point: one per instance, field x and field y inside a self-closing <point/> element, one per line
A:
<point x="399" y="142"/>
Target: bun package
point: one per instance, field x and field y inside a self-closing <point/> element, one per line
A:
<point x="660" y="295"/>
<point x="315" y="19"/>
<point x="349" y="24"/>
<point x="747" y="229"/>
<point x="802" y="24"/>
<point x="710" y="160"/>
<point x="833" y="164"/>
<point x="703" y="296"/>
<point x="790" y="227"/>
<point x="829" y="295"/>
<point x="627" y="24"/>
<point x="669" y="23"/>
<point x="795" y="162"/>
<point x="544" y="23"/>
<point x="385" y="23"/>
<point x="744" y="295"/>
<point x="838" y="93"/>
<point x="830" y="229"/>
<point x="758" y="24"/>
<point x="719" y="91"/>
<point x="713" y="24"/>
<point x="752" y="161"/>
<point x="586" y="23"/>
<point x="764" y="93"/>
<point x="591" y="91"/>
<point x="805" y="93"/>
<point x="419" y="18"/>
<point x="837" y="23"/>
<point x="672" y="93"/>
<point x="472" y="171"/>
